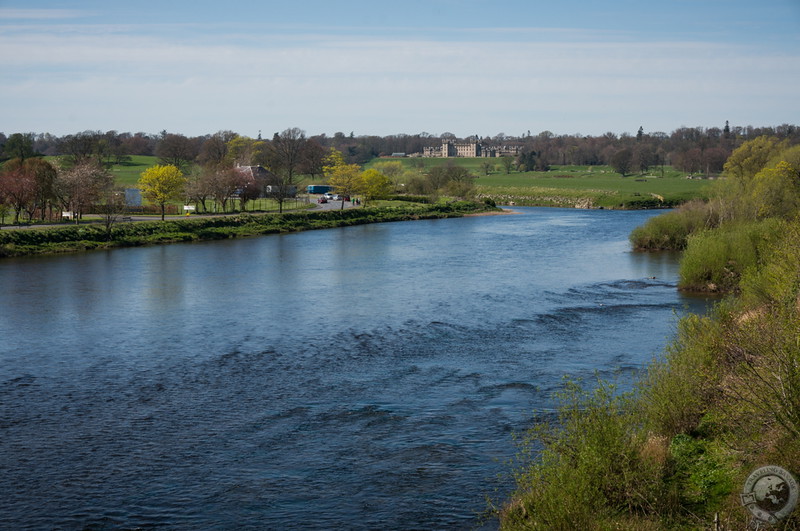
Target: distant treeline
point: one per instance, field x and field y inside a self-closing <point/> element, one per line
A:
<point x="689" y="149"/>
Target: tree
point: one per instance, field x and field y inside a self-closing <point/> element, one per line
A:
<point x="776" y="191"/>
<point x="345" y="179"/>
<point x="621" y="161"/>
<point x="250" y="185"/>
<point x="19" y="146"/>
<point x="198" y="188"/>
<point x="17" y="187"/>
<point x="751" y="157"/>
<point x="80" y="186"/>
<point x="245" y="151"/>
<point x="450" y="178"/>
<point x="81" y="148"/>
<point x="286" y="156"/>
<point x="507" y="162"/>
<point x="223" y="183"/>
<point x="161" y="184"/>
<point x="333" y="159"/>
<point x="45" y="175"/>
<point x="214" y="151"/>
<point x="375" y="185"/>
<point x="111" y="206"/>
<point x="313" y="159"/>
<point x="176" y="150"/>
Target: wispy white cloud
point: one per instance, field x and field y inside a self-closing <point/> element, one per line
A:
<point x="7" y="13"/>
<point x="131" y="80"/>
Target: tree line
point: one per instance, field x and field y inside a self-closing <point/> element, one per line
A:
<point x="689" y="149"/>
<point x="226" y="169"/>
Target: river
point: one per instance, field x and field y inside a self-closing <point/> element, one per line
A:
<point x="357" y="378"/>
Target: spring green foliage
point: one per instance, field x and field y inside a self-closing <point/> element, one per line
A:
<point x="590" y="467"/>
<point x="762" y="180"/>
<point x="375" y="185"/>
<point x="672" y="229"/>
<point x="724" y="398"/>
<point x="715" y="260"/>
<point x="162" y="184"/>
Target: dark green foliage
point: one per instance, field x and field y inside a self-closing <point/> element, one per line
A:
<point x="410" y="198"/>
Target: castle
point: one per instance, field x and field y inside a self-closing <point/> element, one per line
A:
<point x="471" y="148"/>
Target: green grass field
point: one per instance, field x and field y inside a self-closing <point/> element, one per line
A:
<point x="596" y="186"/>
<point x="127" y="174"/>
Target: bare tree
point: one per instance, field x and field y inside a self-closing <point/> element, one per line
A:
<point x="287" y="153"/>
<point x="199" y="188"/>
<point x="111" y="207"/>
<point x="223" y="184"/>
<point x="17" y="187"/>
<point x="176" y="150"/>
<point x="81" y="186"/>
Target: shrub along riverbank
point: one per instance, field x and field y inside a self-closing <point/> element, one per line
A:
<point x="722" y="401"/>
<point x="95" y="236"/>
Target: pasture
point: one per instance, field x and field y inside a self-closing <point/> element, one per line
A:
<point x="589" y="186"/>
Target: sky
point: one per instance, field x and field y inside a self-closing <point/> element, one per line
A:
<point x="465" y="67"/>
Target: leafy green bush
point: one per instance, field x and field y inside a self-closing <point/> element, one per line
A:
<point x="671" y="230"/>
<point x="702" y="473"/>
<point x="715" y="260"/>
<point x="594" y="465"/>
<point x="677" y="389"/>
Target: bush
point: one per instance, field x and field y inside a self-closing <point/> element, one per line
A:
<point x="676" y="391"/>
<point x="594" y="465"/>
<point x="671" y="230"/>
<point x="715" y="260"/>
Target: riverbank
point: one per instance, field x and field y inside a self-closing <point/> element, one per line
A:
<point x="676" y="453"/>
<point x="75" y="238"/>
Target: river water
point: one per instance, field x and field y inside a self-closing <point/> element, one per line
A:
<point x="359" y="378"/>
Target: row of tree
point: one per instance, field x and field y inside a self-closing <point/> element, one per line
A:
<point x="690" y="149"/>
<point x="227" y="170"/>
<point x="39" y="189"/>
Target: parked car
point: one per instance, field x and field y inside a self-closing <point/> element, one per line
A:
<point x="322" y="200"/>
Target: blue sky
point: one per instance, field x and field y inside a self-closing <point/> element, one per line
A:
<point x="435" y="66"/>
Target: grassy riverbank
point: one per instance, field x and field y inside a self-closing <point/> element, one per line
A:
<point x="95" y="236"/>
<point x="723" y="400"/>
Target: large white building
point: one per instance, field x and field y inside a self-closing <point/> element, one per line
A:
<point x="471" y="148"/>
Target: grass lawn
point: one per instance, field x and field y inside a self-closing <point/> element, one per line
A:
<point x="572" y="185"/>
<point x="127" y="174"/>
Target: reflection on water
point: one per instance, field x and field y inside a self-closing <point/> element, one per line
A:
<point x="367" y="377"/>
